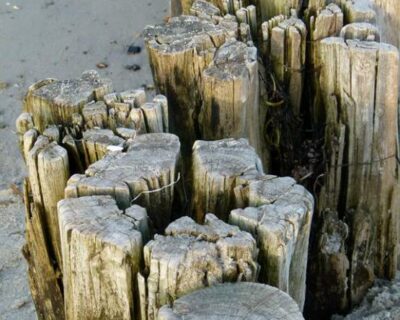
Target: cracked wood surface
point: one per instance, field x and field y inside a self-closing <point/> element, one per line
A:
<point x="362" y="172"/>
<point x="192" y="256"/>
<point x="278" y="214"/>
<point x="233" y="301"/>
<point x="102" y="253"/>
<point x="285" y="42"/>
<point x="144" y="175"/>
<point x="218" y="167"/>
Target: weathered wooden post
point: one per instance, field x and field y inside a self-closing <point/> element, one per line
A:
<point x="227" y="301"/>
<point x="228" y="175"/>
<point x="285" y="43"/>
<point x="192" y="256"/>
<point x="211" y="82"/>
<point x="146" y="174"/>
<point x="278" y="214"/>
<point x="218" y="167"/>
<point x="322" y="22"/>
<point x="102" y="254"/>
<point x="361" y="179"/>
<point x="179" y="51"/>
<point x="66" y="126"/>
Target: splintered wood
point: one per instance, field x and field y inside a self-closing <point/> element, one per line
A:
<point x="323" y="22"/>
<point x="285" y="42"/>
<point x="68" y="125"/>
<point x="218" y="167"/>
<point x="230" y="95"/>
<point x="279" y="215"/>
<point x="233" y="301"/>
<point x="144" y="175"/>
<point x="192" y="256"/>
<point x="211" y="82"/>
<point x="102" y="253"/>
<point x="361" y="180"/>
<point x="227" y="175"/>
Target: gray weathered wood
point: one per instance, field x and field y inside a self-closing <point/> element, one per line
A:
<point x="43" y="274"/>
<point x="323" y="22"/>
<point x="102" y="253"/>
<point x="231" y="95"/>
<point x="268" y="9"/>
<point x="278" y="214"/>
<point x="179" y="51"/>
<point x="53" y="102"/>
<point x="361" y="180"/>
<point x="357" y="11"/>
<point x="233" y="301"/>
<point x="146" y="174"/>
<point x="360" y="31"/>
<point x="286" y="54"/>
<point x="192" y="256"/>
<point x="218" y="167"/>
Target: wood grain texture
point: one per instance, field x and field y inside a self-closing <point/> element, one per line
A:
<point x="143" y="175"/>
<point x="231" y="95"/>
<point x="53" y="102"/>
<point x="361" y="182"/>
<point x="360" y="31"/>
<point x="233" y="301"/>
<point x="43" y="274"/>
<point x="285" y="42"/>
<point x="102" y="253"/>
<point x="278" y="214"/>
<point x="218" y="167"/>
<point x="179" y="51"/>
<point x="192" y="256"/>
<point x="322" y="22"/>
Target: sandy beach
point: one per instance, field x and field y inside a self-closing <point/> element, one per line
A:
<point x="55" y="39"/>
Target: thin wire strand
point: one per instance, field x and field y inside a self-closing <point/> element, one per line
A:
<point x="157" y="190"/>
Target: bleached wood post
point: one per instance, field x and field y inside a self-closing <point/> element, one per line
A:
<point x="146" y="174"/>
<point x="179" y="51"/>
<point x="65" y="127"/>
<point x="323" y="22"/>
<point x="360" y="97"/>
<point x="360" y="31"/>
<point x="233" y="301"/>
<point x="102" y="253"/>
<point x="285" y="40"/>
<point x="268" y="9"/>
<point x="54" y="102"/>
<point x="357" y="11"/>
<point x="230" y="95"/>
<point x="218" y="167"/>
<point x="192" y="256"/>
<point x="278" y="214"/>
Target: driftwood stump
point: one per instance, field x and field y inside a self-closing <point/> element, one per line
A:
<point x="145" y="175"/>
<point x="227" y="175"/>
<point x="211" y="83"/>
<point x="231" y="95"/>
<point x="279" y="215"/>
<point x="361" y="180"/>
<point x="233" y="301"/>
<point x="66" y="126"/>
<point x="285" y="42"/>
<point x="102" y="253"/>
<point x="192" y="256"/>
<point x="218" y="168"/>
